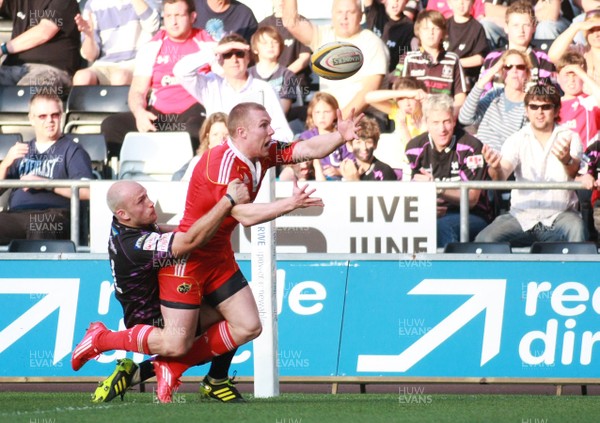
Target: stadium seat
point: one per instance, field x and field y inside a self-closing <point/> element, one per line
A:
<point x="95" y="145"/>
<point x="478" y="248"/>
<point x="154" y="155"/>
<point x="88" y="105"/>
<point x="14" y="110"/>
<point x="41" y="246"/>
<point x="564" y="248"/>
<point x="7" y="141"/>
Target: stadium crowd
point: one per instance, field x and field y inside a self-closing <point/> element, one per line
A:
<point x="520" y="76"/>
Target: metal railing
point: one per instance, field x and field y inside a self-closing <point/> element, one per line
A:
<point x="464" y="188"/>
<point x="75" y="185"/>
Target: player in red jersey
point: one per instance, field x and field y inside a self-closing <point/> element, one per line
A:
<point x="212" y="270"/>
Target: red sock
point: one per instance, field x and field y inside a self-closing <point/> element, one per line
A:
<point x="215" y="341"/>
<point x="134" y="339"/>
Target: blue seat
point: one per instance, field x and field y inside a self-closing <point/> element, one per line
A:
<point x="88" y="105"/>
<point x="564" y="248"/>
<point x="41" y="246"/>
<point x="7" y="141"/>
<point x="478" y="248"/>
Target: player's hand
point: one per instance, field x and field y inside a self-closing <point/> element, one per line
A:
<point x="238" y="191"/>
<point x="348" y="128"/>
<point x="491" y="156"/>
<point x="144" y="121"/>
<point x="301" y="196"/>
<point x="17" y="151"/>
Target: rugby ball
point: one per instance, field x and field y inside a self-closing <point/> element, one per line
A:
<point x="337" y="60"/>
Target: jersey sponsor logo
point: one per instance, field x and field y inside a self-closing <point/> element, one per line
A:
<point x="417" y="72"/>
<point x="150" y="243"/>
<point x="184" y="288"/>
<point x="475" y="162"/>
<point x="163" y="242"/>
<point x="140" y="241"/>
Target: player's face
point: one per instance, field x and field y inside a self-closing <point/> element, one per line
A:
<point x="346" y="17"/>
<point x="519" y="29"/>
<point x="323" y="116"/>
<point x="363" y="149"/>
<point x="139" y="208"/>
<point x="45" y="115"/>
<point x="430" y="34"/>
<point x="440" y="125"/>
<point x="541" y="120"/>
<point x="570" y="83"/>
<point x="177" y="20"/>
<point x="217" y="134"/>
<point x="258" y="134"/>
<point x="267" y="48"/>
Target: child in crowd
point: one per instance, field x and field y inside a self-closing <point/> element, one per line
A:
<point x="591" y="50"/>
<point x="466" y="38"/>
<point x="402" y="104"/>
<point x="295" y="56"/>
<point x="520" y="27"/>
<point x="267" y="45"/>
<point x="439" y="69"/>
<point x="579" y="111"/>
<point x="212" y="133"/>
<point x="389" y="22"/>
<point x="321" y="119"/>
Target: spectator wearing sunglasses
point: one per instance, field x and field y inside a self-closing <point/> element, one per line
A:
<point x="501" y="111"/>
<point x="220" y="93"/>
<point x="542" y="151"/>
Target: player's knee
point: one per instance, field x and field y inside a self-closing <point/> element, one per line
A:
<point x="177" y="347"/>
<point x="252" y="331"/>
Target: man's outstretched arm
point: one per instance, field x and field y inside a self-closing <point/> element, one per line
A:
<point x="255" y="213"/>
<point x="204" y="228"/>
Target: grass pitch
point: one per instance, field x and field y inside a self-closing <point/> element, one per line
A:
<point x="51" y="407"/>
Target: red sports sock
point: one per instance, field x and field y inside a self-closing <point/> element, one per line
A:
<point x="215" y="341"/>
<point x="134" y="339"/>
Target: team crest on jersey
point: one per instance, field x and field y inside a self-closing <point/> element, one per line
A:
<point x="475" y="162"/>
<point x="184" y="288"/>
<point x="447" y="71"/>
